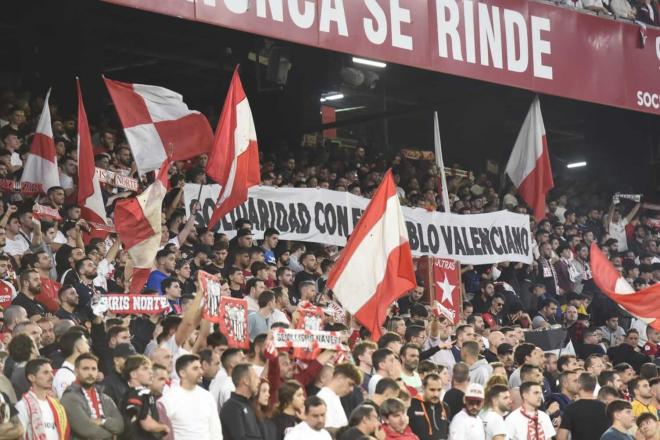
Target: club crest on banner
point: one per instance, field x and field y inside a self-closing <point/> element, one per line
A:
<point x="211" y="289"/>
<point x="234" y="321"/>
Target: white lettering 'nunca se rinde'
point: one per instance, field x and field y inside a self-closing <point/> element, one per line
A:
<point x="489" y="28"/>
<point x="331" y="11"/>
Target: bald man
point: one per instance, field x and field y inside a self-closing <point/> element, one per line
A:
<point x="495" y="339"/>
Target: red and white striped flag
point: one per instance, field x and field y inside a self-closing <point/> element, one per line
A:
<point x="90" y="198"/>
<point x="375" y="268"/>
<point x="529" y="164"/>
<point x="234" y="159"/>
<point x="158" y="124"/>
<point x="41" y="163"/>
<point x="644" y="304"/>
<point x="138" y="223"/>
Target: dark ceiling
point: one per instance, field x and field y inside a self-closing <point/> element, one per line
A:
<point x="50" y="42"/>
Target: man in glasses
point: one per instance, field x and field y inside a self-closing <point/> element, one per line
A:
<point x="467" y="424"/>
<point x="494" y="317"/>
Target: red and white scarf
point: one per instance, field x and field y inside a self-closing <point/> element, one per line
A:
<point x="36" y="430"/>
<point x="534" y="428"/>
<point x="93" y="401"/>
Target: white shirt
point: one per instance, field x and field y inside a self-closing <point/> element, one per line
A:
<point x="277" y="316"/>
<point x="413" y="381"/>
<point x="516" y="425"/>
<point x="193" y="414"/>
<point x="335" y="416"/>
<point x="466" y="427"/>
<point x="493" y="424"/>
<point x="66" y="181"/>
<point x="302" y="431"/>
<point x="618" y="231"/>
<point x="46" y="416"/>
<point x="176" y="350"/>
<point x="371" y="387"/>
<point x="253" y="305"/>
<point x="63" y="378"/>
<point x="226" y="388"/>
<point x="16" y="160"/>
<point x="216" y="385"/>
<point x="16" y="246"/>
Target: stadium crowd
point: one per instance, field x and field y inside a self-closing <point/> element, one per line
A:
<point x="72" y="371"/>
<point x="642" y="11"/>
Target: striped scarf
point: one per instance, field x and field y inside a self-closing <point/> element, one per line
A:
<point x="36" y="430"/>
<point x="534" y="428"/>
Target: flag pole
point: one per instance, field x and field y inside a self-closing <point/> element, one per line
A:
<point x="439" y="162"/>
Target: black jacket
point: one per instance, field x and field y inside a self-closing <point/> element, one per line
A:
<point x="115" y="387"/>
<point x="427" y="420"/>
<point x="239" y="422"/>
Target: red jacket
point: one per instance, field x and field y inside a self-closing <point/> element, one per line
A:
<point x="305" y="377"/>
<point x="391" y="434"/>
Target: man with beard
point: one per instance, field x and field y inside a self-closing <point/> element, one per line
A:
<point x="30" y="288"/>
<point x="528" y="416"/>
<point x="190" y="408"/>
<point x="497" y="405"/>
<point x="429" y="417"/>
<point x="124" y="160"/>
<point x="68" y="298"/>
<point x="409" y="362"/>
<point x="467" y="424"/>
<point x="91" y="413"/>
<point x="86" y="270"/>
<point x="284" y="277"/>
<point x="415" y="295"/>
<point x="139" y="404"/>
<point x="309" y="264"/>
<point x="44" y="264"/>
<point x="239" y="421"/>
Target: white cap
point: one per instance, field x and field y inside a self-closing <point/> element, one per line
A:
<point x="475" y="391"/>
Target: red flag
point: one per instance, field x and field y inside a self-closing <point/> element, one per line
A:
<point x="529" y="164"/>
<point x="644" y="305"/>
<point x="138" y="223"/>
<point x="376" y="266"/>
<point x="90" y="198"/>
<point x="234" y="159"/>
<point x="158" y="124"/>
<point x="447" y="288"/>
<point x="41" y="164"/>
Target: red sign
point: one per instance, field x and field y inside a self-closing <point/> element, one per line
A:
<point x="42" y="212"/>
<point x="519" y="43"/>
<point x="310" y="319"/>
<point x="445" y="286"/>
<point x="233" y="322"/>
<point x="211" y="287"/>
<point x="127" y="304"/>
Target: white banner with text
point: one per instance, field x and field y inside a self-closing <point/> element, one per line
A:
<point x="328" y="217"/>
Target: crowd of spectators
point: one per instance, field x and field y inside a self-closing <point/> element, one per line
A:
<point x="642" y="11"/>
<point x="72" y="371"/>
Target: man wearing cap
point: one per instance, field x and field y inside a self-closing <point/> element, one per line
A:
<point x="527" y="422"/>
<point x="467" y="424"/>
<point x="114" y="384"/>
<point x="244" y="239"/>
